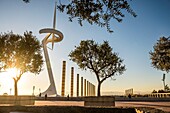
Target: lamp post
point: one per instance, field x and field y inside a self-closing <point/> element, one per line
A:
<point x="39" y="90"/>
<point x="10" y="90"/>
<point x="163" y="79"/>
<point x="33" y="90"/>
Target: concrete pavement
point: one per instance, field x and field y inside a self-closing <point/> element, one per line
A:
<point x="165" y="106"/>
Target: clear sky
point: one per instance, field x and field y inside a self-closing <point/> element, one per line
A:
<point x="133" y="39"/>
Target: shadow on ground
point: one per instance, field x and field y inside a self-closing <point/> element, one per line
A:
<point x="73" y="109"/>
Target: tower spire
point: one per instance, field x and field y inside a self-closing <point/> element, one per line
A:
<point x="54" y="21"/>
<point x="54" y="25"/>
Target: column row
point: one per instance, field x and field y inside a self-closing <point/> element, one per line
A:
<point x="84" y="87"/>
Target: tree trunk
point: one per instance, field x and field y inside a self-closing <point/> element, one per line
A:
<point x="15" y="88"/>
<point x="98" y="89"/>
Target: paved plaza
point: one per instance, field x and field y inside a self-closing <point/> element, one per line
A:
<point x="165" y="106"/>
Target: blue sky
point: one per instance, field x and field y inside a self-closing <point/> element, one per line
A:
<point x="133" y="39"/>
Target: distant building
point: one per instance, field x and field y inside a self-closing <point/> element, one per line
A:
<point x="129" y="91"/>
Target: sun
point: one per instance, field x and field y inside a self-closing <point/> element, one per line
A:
<point x="6" y="80"/>
<point x="12" y="72"/>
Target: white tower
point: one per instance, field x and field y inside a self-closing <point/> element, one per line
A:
<point x="57" y="36"/>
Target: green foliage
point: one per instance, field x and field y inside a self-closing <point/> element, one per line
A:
<point x="154" y="91"/>
<point x="167" y="87"/>
<point x="26" y="1"/>
<point x="98" y="12"/>
<point x="20" y="52"/>
<point x="161" y="55"/>
<point x="161" y="91"/>
<point x="99" y="59"/>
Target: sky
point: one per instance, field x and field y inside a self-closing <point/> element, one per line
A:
<point x="132" y="39"/>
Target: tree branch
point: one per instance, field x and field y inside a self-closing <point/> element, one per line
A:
<point x="107" y="76"/>
<point x="19" y="76"/>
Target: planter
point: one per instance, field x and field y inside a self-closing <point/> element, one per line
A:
<point x="19" y="100"/>
<point x="99" y="101"/>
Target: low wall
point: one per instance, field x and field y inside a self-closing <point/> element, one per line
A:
<point x="142" y="99"/>
<point x="17" y="100"/>
<point x="159" y="95"/>
<point x="60" y="98"/>
<point x="99" y="101"/>
<point x="117" y="98"/>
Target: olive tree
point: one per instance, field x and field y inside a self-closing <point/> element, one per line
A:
<point x="160" y="56"/>
<point x="26" y="1"/>
<point x="99" y="59"/>
<point x="99" y="12"/>
<point x="20" y="52"/>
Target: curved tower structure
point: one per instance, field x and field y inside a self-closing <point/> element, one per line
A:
<point x="57" y="36"/>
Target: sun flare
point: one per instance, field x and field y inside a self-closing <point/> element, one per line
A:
<point x="12" y="72"/>
<point x="6" y="80"/>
